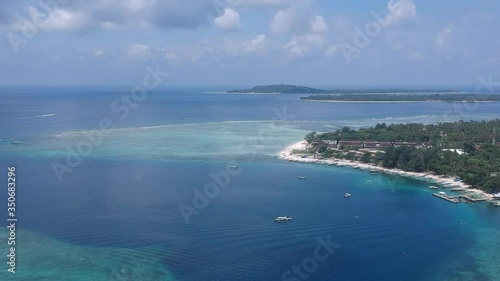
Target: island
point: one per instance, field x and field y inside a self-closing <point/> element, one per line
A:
<point x="434" y="97"/>
<point x="372" y="95"/>
<point x="321" y="94"/>
<point x="280" y="89"/>
<point x="464" y="156"/>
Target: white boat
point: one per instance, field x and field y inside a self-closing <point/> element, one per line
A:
<point x="433" y="187"/>
<point x="283" y="219"/>
<point x="347" y="195"/>
<point x="497" y="204"/>
<point x="301" y="178"/>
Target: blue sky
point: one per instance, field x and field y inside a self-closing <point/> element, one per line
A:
<point x="250" y="42"/>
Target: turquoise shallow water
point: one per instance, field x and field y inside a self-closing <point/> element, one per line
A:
<point x="116" y="215"/>
<point x="41" y="257"/>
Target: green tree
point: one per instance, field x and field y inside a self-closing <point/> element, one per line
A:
<point x="366" y="158"/>
<point x="311" y="137"/>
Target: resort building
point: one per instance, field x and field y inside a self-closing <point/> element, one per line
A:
<point x="403" y="143"/>
<point x="330" y="143"/>
<point x="351" y="144"/>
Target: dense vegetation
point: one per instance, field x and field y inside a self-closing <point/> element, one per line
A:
<point x="479" y="166"/>
<point x="455" y="97"/>
<point x="283" y="89"/>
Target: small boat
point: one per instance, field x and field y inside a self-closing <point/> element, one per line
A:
<point x="373" y="172"/>
<point x="497" y="204"/>
<point x="283" y="219"/>
<point x="347" y="195"/>
<point x="457" y="189"/>
<point x="301" y="178"/>
<point x="233" y="167"/>
<point x="432" y="187"/>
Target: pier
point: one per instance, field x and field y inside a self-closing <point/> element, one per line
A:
<point x="460" y="198"/>
<point x="452" y="199"/>
<point x="471" y="199"/>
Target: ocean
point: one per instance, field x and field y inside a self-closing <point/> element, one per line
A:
<point x="155" y="199"/>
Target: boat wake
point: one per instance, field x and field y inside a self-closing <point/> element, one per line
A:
<point x="38" y="116"/>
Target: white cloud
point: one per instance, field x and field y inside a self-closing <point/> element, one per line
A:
<point x="288" y="20"/>
<point x="172" y="57"/>
<point x="257" y="45"/>
<point x="298" y="19"/>
<point x="308" y="30"/>
<point x="138" y="5"/>
<point x="295" y="18"/>
<point x="64" y="20"/>
<point x="294" y="47"/>
<point x="304" y="44"/>
<point x="98" y="53"/>
<point x="318" y="25"/>
<point x="259" y="3"/>
<point x="402" y="10"/>
<point x="444" y="36"/>
<point x="80" y="16"/>
<point x="183" y="53"/>
<point x="333" y="50"/>
<point x="283" y="20"/>
<point x="58" y="20"/>
<point x="230" y="20"/>
<point x="138" y="51"/>
<point x="109" y="25"/>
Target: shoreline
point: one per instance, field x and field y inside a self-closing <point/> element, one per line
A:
<point x="435" y="101"/>
<point x="287" y="154"/>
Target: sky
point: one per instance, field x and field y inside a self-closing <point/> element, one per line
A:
<point x="249" y="42"/>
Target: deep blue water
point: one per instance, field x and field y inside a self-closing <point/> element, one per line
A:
<point x="122" y="211"/>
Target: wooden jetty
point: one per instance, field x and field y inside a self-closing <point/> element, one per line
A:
<point x="452" y="199"/>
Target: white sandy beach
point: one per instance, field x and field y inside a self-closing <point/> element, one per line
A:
<point x="287" y="154"/>
<point x="425" y="101"/>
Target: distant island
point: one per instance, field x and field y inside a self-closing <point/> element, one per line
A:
<point x="439" y="97"/>
<point x="280" y="89"/>
<point x="293" y="89"/>
<point x="461" y="154"/>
